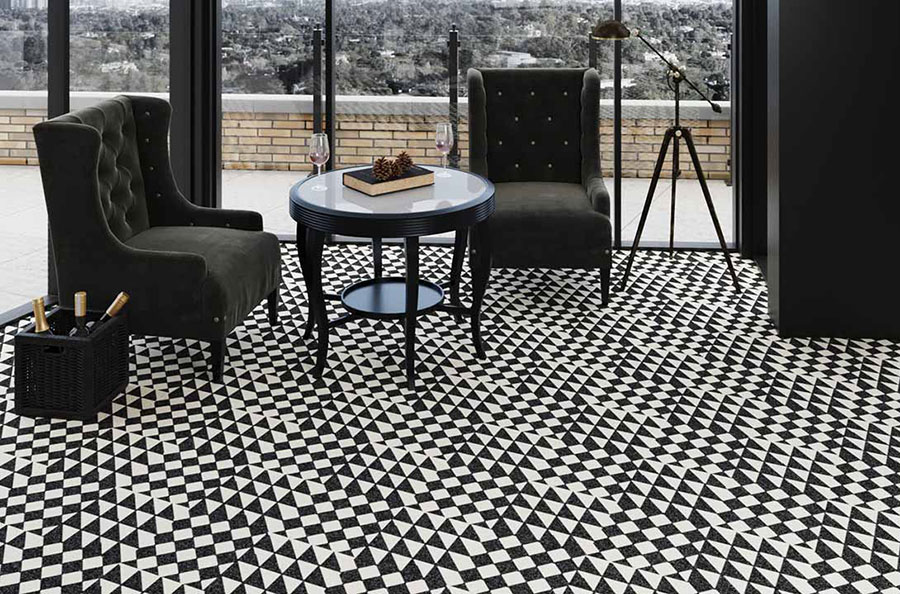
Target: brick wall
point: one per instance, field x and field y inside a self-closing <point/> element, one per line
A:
<point x="641" y="139"/>
<point x="16" y="141"/>
<point x="277" y="141"/>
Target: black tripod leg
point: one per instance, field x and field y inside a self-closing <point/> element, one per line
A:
<point x="656" y="173"/>
<point x="689" y="140"/>
<point x="675" y="173"/>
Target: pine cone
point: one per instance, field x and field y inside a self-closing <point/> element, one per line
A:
<point x="403" y="163"/>
<point x="383" y="169"/>
<point x="396" y="169"/>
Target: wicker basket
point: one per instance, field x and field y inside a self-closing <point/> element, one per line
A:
<point x="68" y="377"/>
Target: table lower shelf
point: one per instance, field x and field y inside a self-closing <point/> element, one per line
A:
<point x="386" y="297"/>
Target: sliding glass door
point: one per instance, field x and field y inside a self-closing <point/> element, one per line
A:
<point x="267" y="88"/>
<point x="695" y="36"/>
<point x="23" y="103"/>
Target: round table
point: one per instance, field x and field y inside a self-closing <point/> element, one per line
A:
<point x="458" y="201"/>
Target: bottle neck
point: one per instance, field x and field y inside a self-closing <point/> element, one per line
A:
<point x="40" y="316"/>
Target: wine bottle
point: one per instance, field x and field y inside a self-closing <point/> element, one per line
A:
<point x="41" y="326"/>
<point x="114" y="308"/>
<point x="80" y="328"/>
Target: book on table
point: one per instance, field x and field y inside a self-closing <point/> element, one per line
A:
<point x="364" y="181"/>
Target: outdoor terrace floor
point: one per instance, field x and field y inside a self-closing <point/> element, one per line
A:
<point x="23" y="226"/>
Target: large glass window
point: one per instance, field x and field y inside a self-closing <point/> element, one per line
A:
<point x="23" y="103"/>
<point x="267" y="83"/>
<point x="697" y="37"/>
<point x="120" y="47"/>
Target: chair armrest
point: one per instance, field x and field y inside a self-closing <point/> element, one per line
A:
<point x="158" y="281"/>
<point x="151" y="265"/>
<point x="221" y="217"/>
<point x="597" y="194"/>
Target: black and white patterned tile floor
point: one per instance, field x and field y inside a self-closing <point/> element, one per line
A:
<point x="669" y="443"/>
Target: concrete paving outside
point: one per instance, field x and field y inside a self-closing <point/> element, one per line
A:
<point x="23" y="225"/>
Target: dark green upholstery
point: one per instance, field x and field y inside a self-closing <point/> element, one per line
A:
<point x="119" y="223"/>
<point x="535" y="134"/>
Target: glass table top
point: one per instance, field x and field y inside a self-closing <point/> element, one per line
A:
<point x="457" y="191"/>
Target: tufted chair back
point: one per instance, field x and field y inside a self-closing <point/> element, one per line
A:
<point x="534" y="124"/>
<point x="119" y="177"/>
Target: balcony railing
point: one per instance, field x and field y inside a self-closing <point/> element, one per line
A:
<point x="269" y="132"/>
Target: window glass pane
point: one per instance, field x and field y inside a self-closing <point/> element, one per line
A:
<point x="120" y="47"/>
<point x="267" y="83"/>
<point x="696" y="36"/>
<point x="23" y="103"/>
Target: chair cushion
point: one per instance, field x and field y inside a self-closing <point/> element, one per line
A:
<point x="243" y="267"/>
<point x="547" y="225"/>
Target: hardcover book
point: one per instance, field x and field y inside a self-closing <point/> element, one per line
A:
<point x="364" y="181"/>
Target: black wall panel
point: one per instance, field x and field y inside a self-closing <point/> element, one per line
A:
<point x="833" y="205"/>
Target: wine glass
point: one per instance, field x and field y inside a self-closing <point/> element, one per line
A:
<point x="443" y="142"/>
<point x="318" y="154"/>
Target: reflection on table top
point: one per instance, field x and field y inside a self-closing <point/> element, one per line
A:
<point x="457" y="191"/>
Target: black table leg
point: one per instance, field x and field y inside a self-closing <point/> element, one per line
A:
<point x="412" y="307"/>
<point x="480" y="263"/>
<point x="459" y="255"/>
<point x="304" y="267"/>
<point x="314" y="242"/>
<point x="376" y="255"/>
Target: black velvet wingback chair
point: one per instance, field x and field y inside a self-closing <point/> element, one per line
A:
<point x="119" y="223"/>
<point x="535" y="134"/>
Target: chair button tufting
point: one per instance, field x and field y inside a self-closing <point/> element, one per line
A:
<point x="158" y="195"/>
<point x="516" y="118"/>
<point x="517" y="165"/>
<point x="191" y="223"/>
<point x="532" y="93"/>
<point x="565" y="93"/>
<point x="216" y="319"/>
<point x="550" y="165"/>
<point x="500" y="143"/>
<point x="147" y="113"/>
<point x="532" y="143"/>
<point x="146" y="141"/>
<point x="152" y="168"/>
<point x="228" y="224"/>
<point x="549" y="118"/>
<point x="499" y="93"/>
<point x="566" y="142"/>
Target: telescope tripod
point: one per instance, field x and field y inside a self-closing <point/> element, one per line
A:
<point x="672" y="137"/>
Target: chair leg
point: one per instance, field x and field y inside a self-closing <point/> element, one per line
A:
<point x="604" y="285"/>
<point x="273" y="307"/>
<point x="217" y="359"/>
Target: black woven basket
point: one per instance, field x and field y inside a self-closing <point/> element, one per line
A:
<point x="67" y="377"/>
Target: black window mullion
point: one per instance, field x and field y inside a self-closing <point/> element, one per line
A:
<point x="330" y="115"/>
<point x="617" y="134"/>
<point x="195" y="92"/>
<point x="57" y="92"/>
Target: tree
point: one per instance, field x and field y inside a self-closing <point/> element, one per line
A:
<point x="33" y="53"/>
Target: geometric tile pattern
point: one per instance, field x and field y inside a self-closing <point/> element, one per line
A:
<point x="671" y="442"/>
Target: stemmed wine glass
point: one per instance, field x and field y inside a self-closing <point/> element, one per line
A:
<point x="318" y="154"/>
<point x="443" y="142"/>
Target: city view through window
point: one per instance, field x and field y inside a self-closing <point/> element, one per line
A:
<point x="384" y="46"/>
